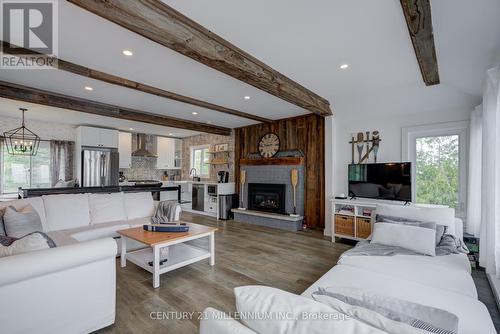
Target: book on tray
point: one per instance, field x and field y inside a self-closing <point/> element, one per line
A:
<point x="165" y="228"/>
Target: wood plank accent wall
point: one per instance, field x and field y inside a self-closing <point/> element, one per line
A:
<point x="305" y="133"/>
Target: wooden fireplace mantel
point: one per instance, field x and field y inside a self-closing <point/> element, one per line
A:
<point x="273" y="161"/>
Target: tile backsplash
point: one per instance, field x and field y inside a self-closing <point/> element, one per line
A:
<point x="144" y="168"/>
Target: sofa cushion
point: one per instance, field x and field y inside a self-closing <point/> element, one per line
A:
<point x="431" y="213"/>
<point x="20" y="223"/>
<point x="99" y="231"/>
<point x="28" y="243"/>
<point x="303" y="315"/>
<point x="35" y="202"/>
<point x="106" y="208"/>
<point x="139" y="205"/>
<point x="66" y="211"/>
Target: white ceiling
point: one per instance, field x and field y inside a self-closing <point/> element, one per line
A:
<point x="303" y="40"/>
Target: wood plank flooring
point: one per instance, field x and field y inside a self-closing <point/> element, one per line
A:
<point x="245" y="254"/>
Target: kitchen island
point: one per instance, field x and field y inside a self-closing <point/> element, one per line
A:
<point x="156" y="190"/>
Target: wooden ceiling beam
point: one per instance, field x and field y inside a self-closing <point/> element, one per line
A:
<point x="33" y="95"/>
<point x="162" y="24"/>
<point x="419" y="21"/>
<point x="116" y="80"/>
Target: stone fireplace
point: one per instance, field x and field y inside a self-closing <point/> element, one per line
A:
<point x="267" y="197"/>
<point x="267" y="193"/>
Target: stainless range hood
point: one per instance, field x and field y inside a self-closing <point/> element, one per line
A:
<point x="141" y="150"/>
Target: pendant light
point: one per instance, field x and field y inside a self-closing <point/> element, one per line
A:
<point x="21" y="140"/>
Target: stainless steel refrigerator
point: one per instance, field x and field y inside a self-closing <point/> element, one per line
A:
<point x="100" y="167"/>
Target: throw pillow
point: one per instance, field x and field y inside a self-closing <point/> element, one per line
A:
<point x="418" y="239"/>
<point x="19" y="223"/>
<point x="392" y="315"/>
<point x="28" y="243"/>
<point x="267" y="310"/>
<point x="440" y="229"/>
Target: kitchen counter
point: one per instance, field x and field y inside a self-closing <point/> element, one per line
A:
<point x="123" y="187"/>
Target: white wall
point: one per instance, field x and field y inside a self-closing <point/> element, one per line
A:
<point x="389" y="126"/>
<point x="46" y="130"/>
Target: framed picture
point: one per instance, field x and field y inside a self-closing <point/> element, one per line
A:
<point x="221" y="147"/>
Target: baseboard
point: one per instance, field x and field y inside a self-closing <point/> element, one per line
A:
<point x="495" y="287"/>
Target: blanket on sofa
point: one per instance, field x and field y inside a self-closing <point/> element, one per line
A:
<point x="449" y="245"/>
<point x="165" y="212"/>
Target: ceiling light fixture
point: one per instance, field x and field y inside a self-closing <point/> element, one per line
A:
<point x="128" y="53"/>
<point x="344" y="66"/>
<point x="131" y="129"/>
<point x="247" y="97"/>
<point x="194" y="113"/>
<point x="170" y="134"/>
<point x="89" y="88"/>
<point x="21" y="140"/>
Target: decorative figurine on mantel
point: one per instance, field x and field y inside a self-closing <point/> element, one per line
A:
<point x="372" y="145"/>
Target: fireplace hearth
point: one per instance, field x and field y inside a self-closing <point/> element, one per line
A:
<point x="267" y="197"/>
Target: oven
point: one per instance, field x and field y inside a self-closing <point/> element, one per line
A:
<point x="212" y="190"/>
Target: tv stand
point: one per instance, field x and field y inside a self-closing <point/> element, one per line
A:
<point x="351" y="218"/>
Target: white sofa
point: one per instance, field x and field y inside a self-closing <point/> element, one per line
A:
<point x="70" y="288"/>
<point x="442" y="282"/>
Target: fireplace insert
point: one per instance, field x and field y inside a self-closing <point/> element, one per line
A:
<point x="267" y="197"/>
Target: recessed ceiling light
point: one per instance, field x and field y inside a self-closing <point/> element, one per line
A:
<point x="89" y="88"/>
<point x="170" y="134"/>
<point x="344" y="66"/>
<point x="194" y="113"/>
<point x="247" y="97"/>
<point x="131" y="129"/>
<point x="128" y="53"/>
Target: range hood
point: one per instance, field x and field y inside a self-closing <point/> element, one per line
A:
<point x="141" y="150"/>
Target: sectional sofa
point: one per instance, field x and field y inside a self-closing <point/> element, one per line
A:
<point x="442" y="282"/>
<point x="70" y="288"/>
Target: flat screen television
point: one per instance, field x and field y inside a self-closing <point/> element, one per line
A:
<point x="389" y="181"/>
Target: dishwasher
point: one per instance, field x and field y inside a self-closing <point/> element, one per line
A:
<point x="198" y="197"/>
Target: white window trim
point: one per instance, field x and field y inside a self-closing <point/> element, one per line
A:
<point x="192" y="149"/>
<point x="408" y="153"/>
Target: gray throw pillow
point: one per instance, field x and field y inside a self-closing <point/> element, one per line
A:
<point x="440" y="229"/>
<point x="19" y="223"/>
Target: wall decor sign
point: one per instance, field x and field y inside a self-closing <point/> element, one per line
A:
<point x="221" y="147"/>
<point x="365" y="144"/>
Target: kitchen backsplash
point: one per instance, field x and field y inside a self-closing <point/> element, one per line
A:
<point x="212" y="140"/>
<point x="144" y="168"/>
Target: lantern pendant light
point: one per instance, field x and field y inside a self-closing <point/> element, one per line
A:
<point x="21" y="140"/>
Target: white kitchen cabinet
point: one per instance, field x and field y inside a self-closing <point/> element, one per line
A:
<point x="166" y="153"/>
<point x="125" y="149"/>
<point x="97" y="137"/>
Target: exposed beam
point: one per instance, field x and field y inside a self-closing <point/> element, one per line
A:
<point x="419" y="21"/>
<point x="33" y="95"/>
<point x="162" y="24"/>
<point x="116" y="80"/>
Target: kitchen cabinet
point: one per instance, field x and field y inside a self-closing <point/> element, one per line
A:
<point x="97" y="137"/>
<point x="125" y="149"/>
<point x="168" y="153"/>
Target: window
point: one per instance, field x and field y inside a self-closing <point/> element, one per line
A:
<point x="25" y="171"/>
<point x="199" y="160"/>
<point x="438" y="155"/>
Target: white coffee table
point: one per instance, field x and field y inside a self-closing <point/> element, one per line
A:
<point x="179" y="253"/>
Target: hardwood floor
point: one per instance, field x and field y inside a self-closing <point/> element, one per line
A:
<point x="245" y="254"/>
<point x="485" y="295"/>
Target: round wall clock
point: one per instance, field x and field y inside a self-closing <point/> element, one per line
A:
<point x="269" y="145"/>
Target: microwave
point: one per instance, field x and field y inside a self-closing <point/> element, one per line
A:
<point x="212" y="190"/>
